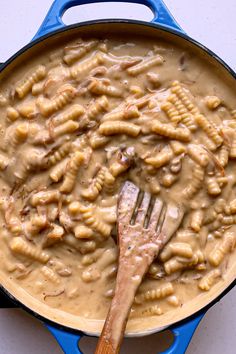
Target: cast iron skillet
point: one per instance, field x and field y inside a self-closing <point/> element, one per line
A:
<point x="163" y="20"/>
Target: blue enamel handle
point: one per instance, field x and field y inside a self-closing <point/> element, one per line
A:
<point x="182" y="336"/>
<point x="53" y="19"/>
<point x="67" y="341"/>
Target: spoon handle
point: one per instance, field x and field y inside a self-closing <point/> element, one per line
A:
<point x="105" y="347"/>
<point x="114" y="327"/>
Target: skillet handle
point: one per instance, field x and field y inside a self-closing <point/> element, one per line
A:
<point x="67" y="341"/>
<point x="182" y="335"/>
<point x="53" y="20"/>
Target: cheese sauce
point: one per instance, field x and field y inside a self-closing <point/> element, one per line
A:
<point x="76" y="123"/>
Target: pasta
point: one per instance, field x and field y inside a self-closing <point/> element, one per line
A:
<point x="161" y="159"/>
<point x="12" y="114"/>
<point x="176" y="165"/>
<point x="220" y="205"/>
<point x="173" y="300"/>
<point x="168" y="180"/>
<point x="55" y="234"/>
<point x="82" y="246"/>
<point x="197" y="220"/>
<point x="38" y="88"/>
<point x="217" y="255"/>
<point x="72" y="169"/>
<point x="185" y="117"/>
<point x="90" y="275"/>
<point x="195" y="184"/>
<point x="150" y="311"/>
<point x="145" y="65"/>
<point x="224" y="155"/>
<point x="128" y="113"/>
<point x="209" y="129"/>
<point x="86" y="66"/>
<point x="69" y="127"/>
<point x="174" y="264"/>
<point x="153" y="78"/>
<point x="185" y="235"/>
<point x="12" y="221"/>
<point x="122" y="164"/>
<point x="20" y="134"/>
<point x="74" y="208"/>
<point x="151" y="295"/>
<point x="22" y="89"/>
<point x="58" y="171"/>
<point x="93" y="191"/>
<point x="83" y="232"/>
<point x="169" y="131"/>
<point x="50" y="275"/>
<point x="213" y="102"/>
<point x="198" y="155"/>
<point x="180" y="249"/>
<point x="48" y="107"/>
<point x="184" y="96"/>
<point x="98" y="88"/>
<point x="45" y="197"/>
<point x="100" y="105"/>
<point x="97" y="140"/>
<point x="21" y="247"/>
<point x="35" y="225"/>
<point x="72" y="54"/>
<point x="58" y="155"/>
<point x="208" y="280"/>
<point x="228" y="209"/>
<point x="210" y="145"/>
<point x="91" y="258"/>
<point x="171" y="112"/>
<point x="154" y="186"/>
<point x="73" y="113"/>
<point x="92" y="220"/>
<point x="232" y="152"/>
<point x="16" y="135"/>
<point x="136" y="91"/>
<point x="109" y="180"/>
<point x="119" y="127"/>
<point x="213" y="187"/>
<point x="177" y="147"/>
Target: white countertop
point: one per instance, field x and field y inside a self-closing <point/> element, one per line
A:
<point x="212" y="22"/>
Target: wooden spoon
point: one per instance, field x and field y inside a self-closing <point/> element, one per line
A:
<point x="142" y="232"/>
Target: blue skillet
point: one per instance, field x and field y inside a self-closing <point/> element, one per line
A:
<point x="164" y="25"/>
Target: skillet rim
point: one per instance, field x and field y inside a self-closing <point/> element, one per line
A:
<point x="120" y="21"/>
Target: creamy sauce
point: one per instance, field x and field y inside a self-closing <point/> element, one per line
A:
<point x="75" y="125"/>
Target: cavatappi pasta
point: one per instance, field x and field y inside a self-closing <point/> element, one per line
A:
<point x="75" y="125"/>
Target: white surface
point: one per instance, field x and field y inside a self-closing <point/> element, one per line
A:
<point x="212" y="22"/>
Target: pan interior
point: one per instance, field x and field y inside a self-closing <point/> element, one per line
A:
<point x="119" y="30"/>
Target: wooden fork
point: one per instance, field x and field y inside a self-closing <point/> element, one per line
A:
<point x="142" y="232"/>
